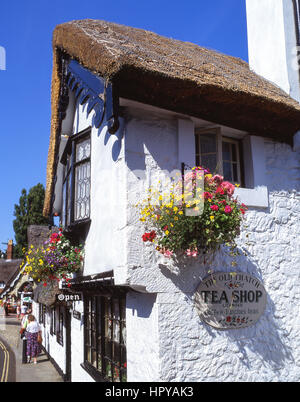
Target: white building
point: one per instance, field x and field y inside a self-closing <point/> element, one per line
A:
<point x="131" y="104"/>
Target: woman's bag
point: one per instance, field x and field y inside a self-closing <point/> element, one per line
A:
<point x="39" y="338"/>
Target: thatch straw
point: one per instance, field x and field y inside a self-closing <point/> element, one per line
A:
<point x="174" y="75"/>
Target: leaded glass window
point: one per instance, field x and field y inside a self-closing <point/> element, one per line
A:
<point x="77" y="179"/>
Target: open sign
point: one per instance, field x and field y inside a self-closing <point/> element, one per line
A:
<point x="68" y="297"/>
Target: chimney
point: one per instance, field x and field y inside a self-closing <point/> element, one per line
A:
<point x="9" y="252"/>
<point x="273" y="42"/>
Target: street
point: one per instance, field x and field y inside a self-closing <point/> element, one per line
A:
<point x="11" y="348"/>
<point x="7" y="363"/>
<point x="7" y="357"/>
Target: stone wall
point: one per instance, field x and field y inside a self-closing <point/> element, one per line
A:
<point x="38" y="234"/>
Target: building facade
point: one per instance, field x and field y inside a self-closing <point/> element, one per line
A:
<point x="131" y="111"/>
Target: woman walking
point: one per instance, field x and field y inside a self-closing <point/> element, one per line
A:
<point x="33" y="331"/>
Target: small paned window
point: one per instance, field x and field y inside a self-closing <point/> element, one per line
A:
<point x="53" y="321"/>
<point x="77" y="179"/>
<point x="105" y="338"/>
<point x="60" y="326"/>
<point x="219" y="154"/>
<point x="42" y="314"/>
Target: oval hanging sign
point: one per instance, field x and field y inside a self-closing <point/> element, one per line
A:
<point x="230" y="300"/>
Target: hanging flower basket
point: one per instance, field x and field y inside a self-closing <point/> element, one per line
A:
<point x="56" y="260"/>
<point x="197" y="215"/>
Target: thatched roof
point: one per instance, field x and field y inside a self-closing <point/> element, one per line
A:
<point x="9" y="270"/>
<point x="171" y="74"/>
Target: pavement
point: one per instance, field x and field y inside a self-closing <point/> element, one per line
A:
<point x="43" y="371"/>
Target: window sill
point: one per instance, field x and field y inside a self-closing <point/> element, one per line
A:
<point x="77" y="232"/>
<point x="253" y="197"/>
<point x="92" y="372"/>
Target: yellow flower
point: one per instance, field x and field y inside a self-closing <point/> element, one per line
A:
<point x="180" y="213"/>
<point x="212" y="218"/>
<point x="167" y="232"/>
<point x="175" y="209"/>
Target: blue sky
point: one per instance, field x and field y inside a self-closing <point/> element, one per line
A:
<point x="25" y="34"/>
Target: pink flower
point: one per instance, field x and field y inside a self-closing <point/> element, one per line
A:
<point x="218" y="179"/>
<point x="168" y="253"/>
<point x="228" y="209"/>
<point x="228" y="187"/>
<point x="191" y="253"/>
<point x="214" y="207"/>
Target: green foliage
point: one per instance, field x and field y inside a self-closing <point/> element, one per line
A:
<point x="56" y="260"/>
<point x="216" y="220"/>
<point x="29" y="211"/>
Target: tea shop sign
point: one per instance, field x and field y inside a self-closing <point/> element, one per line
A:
<point x="230" y="300"/>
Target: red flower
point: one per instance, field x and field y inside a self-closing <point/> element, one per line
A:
<point x="214" y="207"/>
<point x="207" y="195"/>
<point x="228" y="318"/>
<point x="242" y="211"/>
<point x="220" y="191"/>
<point x="149" y="236"/>
<point x="228" y="209"/>
<point x="45" y="284"/>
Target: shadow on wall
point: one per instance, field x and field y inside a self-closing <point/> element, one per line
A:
<point x="141" y="304"/>
<point x="266" y="338"/>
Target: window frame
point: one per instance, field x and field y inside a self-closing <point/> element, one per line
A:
<point x="59" y="332"/>
<point x="104" y="337"/>
<point x="220" y="139"/>
<point x="68" y="159"/>
<point x="42" y="314"/>
<point x="53" y="321"/>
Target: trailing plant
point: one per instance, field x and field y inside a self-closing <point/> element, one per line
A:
<point x="55" y="260"/>
<point x="196" y="215"/>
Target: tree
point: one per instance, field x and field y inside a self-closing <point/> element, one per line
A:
<point x="29" y="211"/>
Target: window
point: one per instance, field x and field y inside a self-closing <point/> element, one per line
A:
<point x="105" y="338"/>
<point x="219" y="154"/>
<point x="42" y="314"/>
<point x="77" y="179"/>
<point x="53" y="321"/>
<point x="60" y="326"/>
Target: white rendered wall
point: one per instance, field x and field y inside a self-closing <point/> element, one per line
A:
<point x="142" y="344"/>
<point x="188" y="349"/>
<point x="272" y="43"/>
<point x="53" y="348"/>
<point x="104" y="248"/>
<point x="77" y="346"/>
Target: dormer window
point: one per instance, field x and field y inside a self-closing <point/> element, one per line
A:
<point x="77" y="180"/>
<point x="219" y="154"/>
